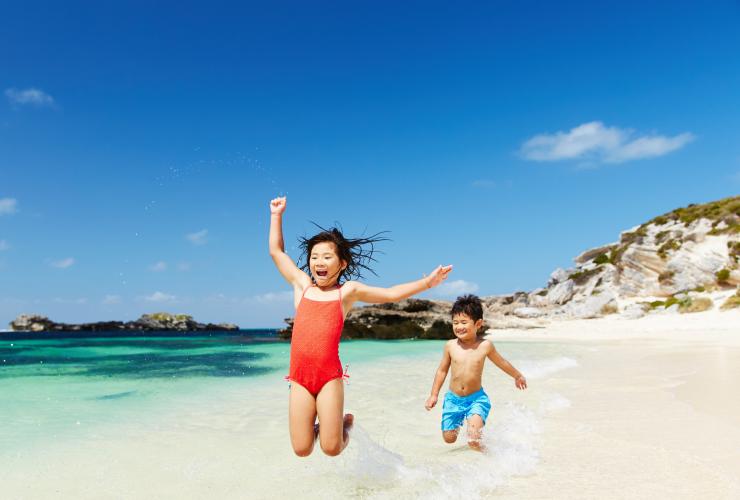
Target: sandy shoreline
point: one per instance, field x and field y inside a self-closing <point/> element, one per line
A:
<point x="654" y="411"/>
<point x="716" y="327"/>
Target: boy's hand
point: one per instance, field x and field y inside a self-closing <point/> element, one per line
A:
<point x="431" y="402"/>
<point x="277" y="205"/>
<point x="520" y="382"/>
<point x="438" y="276"/>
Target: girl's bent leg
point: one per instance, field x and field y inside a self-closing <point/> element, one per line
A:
<point x="475" y="432"/>
<point x="450" y="436"/>
<point x="301" y="419"/>
<point x="333" y="424"/>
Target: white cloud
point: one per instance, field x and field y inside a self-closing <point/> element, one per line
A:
<point x="184" y="266"/>
<point x="158" y="267"/>
<point x="111" y="299"/>
<point x="32" y="96"/>
<point x="8" y="206"/>
<point x="4" y="245"/>
<point x="198" y="238"/>
<point x="62" y="264"/>
<point x="273" y="297"/>
<point x="595" y="142"/>
<point x="59" y="300"/>
<point x="160" y="297"/>
<point x="451" y="289"/>
<point x="484" y="183"/>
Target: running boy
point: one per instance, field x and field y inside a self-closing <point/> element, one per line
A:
<point x="466" y="399"/>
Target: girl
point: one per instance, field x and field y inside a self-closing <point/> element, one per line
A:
<point x="322" y="303"/>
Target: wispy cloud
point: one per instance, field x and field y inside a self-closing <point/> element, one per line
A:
<point x="30" y="96"/>
<point x="594" y="141"/>
<point x="4" y="245"/>
<point x="451" y="289"/>
<point x="111" y="300"/>
<point x="198" y="238"/>
<point x="484" y="184"/>
<point x="184" y="266"/>
<point x="8" y="206"/>
<point x="273" y="297"/>
<point x="158" y="267"/>
<point x="60" y="300"/>
<point x="160" y="297"/>
<point x="63" y="263"/>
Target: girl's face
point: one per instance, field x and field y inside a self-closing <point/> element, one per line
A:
<point x="325" y="264"/>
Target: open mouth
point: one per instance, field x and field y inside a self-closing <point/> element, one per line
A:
<point x="322" y="274"/>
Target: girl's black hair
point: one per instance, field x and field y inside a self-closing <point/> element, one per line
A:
<point x="357" y="253"/>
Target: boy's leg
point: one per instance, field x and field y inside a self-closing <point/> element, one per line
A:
<point x="301" y="418"/>
<point x="334" y="425"/>
<point x="475" y="432"/>
<point x="450" y="436"/>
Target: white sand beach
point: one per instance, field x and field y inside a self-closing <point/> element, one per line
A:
<point x="642" y="408"/>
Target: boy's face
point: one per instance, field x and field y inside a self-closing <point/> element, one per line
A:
<point x="464" y="327"/>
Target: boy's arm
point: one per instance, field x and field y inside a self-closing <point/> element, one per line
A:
<point x="439" y="378"/>
<point x="498" y="360"/>
<point x="377" y="295"/>
<point x="284" y="263"/>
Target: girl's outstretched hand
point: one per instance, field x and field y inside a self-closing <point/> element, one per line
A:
<point x="438" y="276"/>
<point x="277" y="205"/>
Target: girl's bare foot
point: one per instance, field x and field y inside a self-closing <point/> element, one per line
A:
<point x="349" y="421"/>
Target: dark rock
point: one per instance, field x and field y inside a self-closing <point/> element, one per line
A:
<point x="147" y="322"/>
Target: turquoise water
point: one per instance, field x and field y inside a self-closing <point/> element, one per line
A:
<point x="54" y="389"/>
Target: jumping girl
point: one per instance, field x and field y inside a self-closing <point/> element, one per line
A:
<point x="322" y="299"/>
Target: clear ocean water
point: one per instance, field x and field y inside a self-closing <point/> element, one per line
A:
<point x="53" y="386"/>
<point x="186" y="416"/>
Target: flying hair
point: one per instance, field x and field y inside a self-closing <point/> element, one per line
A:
<point x="357" y="253"/>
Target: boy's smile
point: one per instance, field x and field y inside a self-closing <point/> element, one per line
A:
<point x="465" y="328"/>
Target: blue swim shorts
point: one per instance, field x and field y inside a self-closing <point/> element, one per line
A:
<point x="456" y="408"/>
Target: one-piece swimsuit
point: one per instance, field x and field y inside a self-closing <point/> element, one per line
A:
<point x="314" y="346"/>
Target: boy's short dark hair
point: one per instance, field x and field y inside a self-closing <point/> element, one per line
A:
<point x="469" y="305"/>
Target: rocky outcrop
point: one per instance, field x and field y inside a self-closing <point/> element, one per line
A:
<point x="147" y="322"/>
<point x="667" y="264"/>
<point x="409" y="318"/>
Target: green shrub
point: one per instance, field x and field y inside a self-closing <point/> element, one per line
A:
<point x="670" y="245"/>
<point x="581" y="277"/>
<point x="698" y="304"/>
<point x="731" y="303"/>
<point x="723" y="276"/>
<point x="666" y="277"/>
<point x="601" y="259"/>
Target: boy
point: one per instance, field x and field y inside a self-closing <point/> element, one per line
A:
<point x="467" y="354"/>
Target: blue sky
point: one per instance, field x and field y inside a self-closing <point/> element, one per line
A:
<point x="141" y="143"/>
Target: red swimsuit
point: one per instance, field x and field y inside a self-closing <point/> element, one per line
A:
<point x="314" y="347"/>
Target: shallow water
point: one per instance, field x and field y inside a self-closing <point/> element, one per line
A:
<point x="143" y="417"/>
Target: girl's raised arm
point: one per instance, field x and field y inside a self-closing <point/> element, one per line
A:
<point x="284" y="263"/>
<point x="378" y="295"/>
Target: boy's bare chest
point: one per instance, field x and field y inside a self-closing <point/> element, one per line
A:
<point x="467" y="358"/>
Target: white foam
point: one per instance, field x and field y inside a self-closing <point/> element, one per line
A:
<point x="554" y="402"/>
<point x="449" y="471"/>
<point x="534" y="369"/>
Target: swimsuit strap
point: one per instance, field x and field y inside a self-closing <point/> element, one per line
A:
<point x="340" y="292"/>
<point x="305" y="290"/>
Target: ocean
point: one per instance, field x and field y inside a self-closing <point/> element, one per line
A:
<point x="205" y="416"/>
